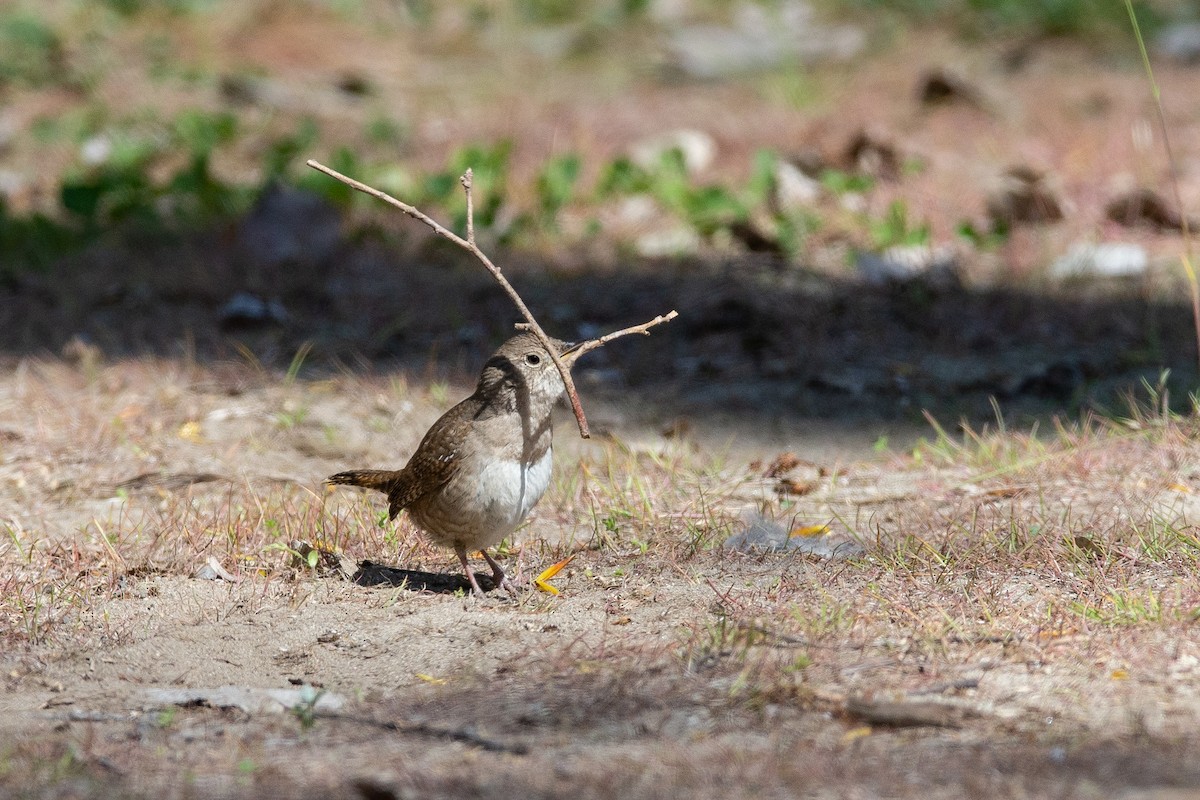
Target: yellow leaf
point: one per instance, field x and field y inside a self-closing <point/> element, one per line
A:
<point x="1120" y="674"/>
<point x="856" y="733"/>
<point x="809" y="530"/>
<point x="1179" y="487"/>
<point x="431" y="679"/>
<point x="190" y="432"/>
<point x="543" y="581"/>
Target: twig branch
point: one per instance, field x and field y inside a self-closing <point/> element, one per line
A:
<point x="464" y="735"/>
<point x="469" y="245"/>
<point x="592" y="344"/>
<point x="467" y="180"/>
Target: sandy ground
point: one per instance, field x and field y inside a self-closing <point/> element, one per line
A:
<point x="1020" y="620"/>
<point x="666" y="665"/>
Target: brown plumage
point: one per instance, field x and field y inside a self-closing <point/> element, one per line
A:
<point x="486" y="462"/>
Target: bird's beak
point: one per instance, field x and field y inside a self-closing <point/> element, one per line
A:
<point x="571" y="352"/>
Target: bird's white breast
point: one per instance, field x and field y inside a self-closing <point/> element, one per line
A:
<point x="509" y="489"/>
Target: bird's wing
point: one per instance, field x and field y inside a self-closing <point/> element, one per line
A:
<point x="431" y="467"/>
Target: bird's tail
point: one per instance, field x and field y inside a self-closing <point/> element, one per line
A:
<point x="379" y="479"/>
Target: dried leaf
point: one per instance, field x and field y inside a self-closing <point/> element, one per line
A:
<point x="190" y="432"/>
<point x="783" y="462"/>
<point x="543" y="581"/>
<point x="430" y="679"/>
<point x="856" y="733"/>
<point x="794" y="487"/>
<point x="1007" y="491"/>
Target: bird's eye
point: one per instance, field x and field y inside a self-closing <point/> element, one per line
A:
<point x="533" y="359"/>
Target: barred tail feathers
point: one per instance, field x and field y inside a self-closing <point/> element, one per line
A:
<point x="381" y="480"/>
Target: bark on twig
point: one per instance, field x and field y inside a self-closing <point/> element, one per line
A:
<point x="469" y="245"/>
<point x="592" y="344"/>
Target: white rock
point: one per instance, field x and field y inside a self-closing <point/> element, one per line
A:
<point x="794" y="190"/>
<point x="1180" y="42"/>
<point x="637" y="209"/>
<point x="698" y="148"/>
<point x="1110" y="260"/>
<point x="12" y="183"/>
<point x="95" y="150"/>
<point x="761" y="38"/>
<point x="675" y="240"/>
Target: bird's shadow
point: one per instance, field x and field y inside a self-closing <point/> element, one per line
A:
<point x="371" y="574"/>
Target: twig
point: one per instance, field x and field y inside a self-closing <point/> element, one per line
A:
<point x="469" y="245"/>
<point x="467" y="180"/>
<point x="906" y="714"/>
<point x="592" y="344"/>
<point x="948" y="686"/>
<point x="465" y="735"/>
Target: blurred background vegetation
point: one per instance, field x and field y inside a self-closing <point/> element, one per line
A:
<point x="176" y="113"/>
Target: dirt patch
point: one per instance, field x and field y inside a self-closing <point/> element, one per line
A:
<point x="1006" y="583"/>
<point x="1017" y="617"/>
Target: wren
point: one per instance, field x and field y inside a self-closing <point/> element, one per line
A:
<point x="486" y="462"/>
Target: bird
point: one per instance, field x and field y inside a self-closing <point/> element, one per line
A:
<point x="486" y="462"/>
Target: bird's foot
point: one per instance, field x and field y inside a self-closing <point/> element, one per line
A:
<point x="462" y="557"/>
<point x="501" y="580"/>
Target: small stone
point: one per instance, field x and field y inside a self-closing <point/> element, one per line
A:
<point x="1180" y="42"/>
<point x="1113" y="260"/>
<point x="637" y="209"/>
<point x="252" y="90"/>
<point x="95" y="150"/>
<point x="1144" y="208"/>
<point x="245" y="309"/>
<point x="13" y="183"/>
<point x="699" y="150"/>
<point x="759" y="535"/>
<point x="935" y="266"/>
<point x="763" y="535"/>
<point x="756" y="236"/>
<point x="676" y="240"/>
<point x="760" y="37"/>
<point x="355" y="84"/>
<point x="794" y="190"/>
<point x="873" y="153"/>
<point x="943" y="86"/>
<point x="1024" y="195"/>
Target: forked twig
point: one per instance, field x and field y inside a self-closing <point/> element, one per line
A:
<point x="469" y="245"/>
<point x="592" y="344"/>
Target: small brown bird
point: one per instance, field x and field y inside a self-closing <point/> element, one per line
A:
<point x="486" y="462"/>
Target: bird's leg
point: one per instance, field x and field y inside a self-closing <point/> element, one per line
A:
<point x="498" y="575"/>
<point x="462" y="557"/>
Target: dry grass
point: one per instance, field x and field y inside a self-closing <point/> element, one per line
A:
<point x="1006" y="577"/>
